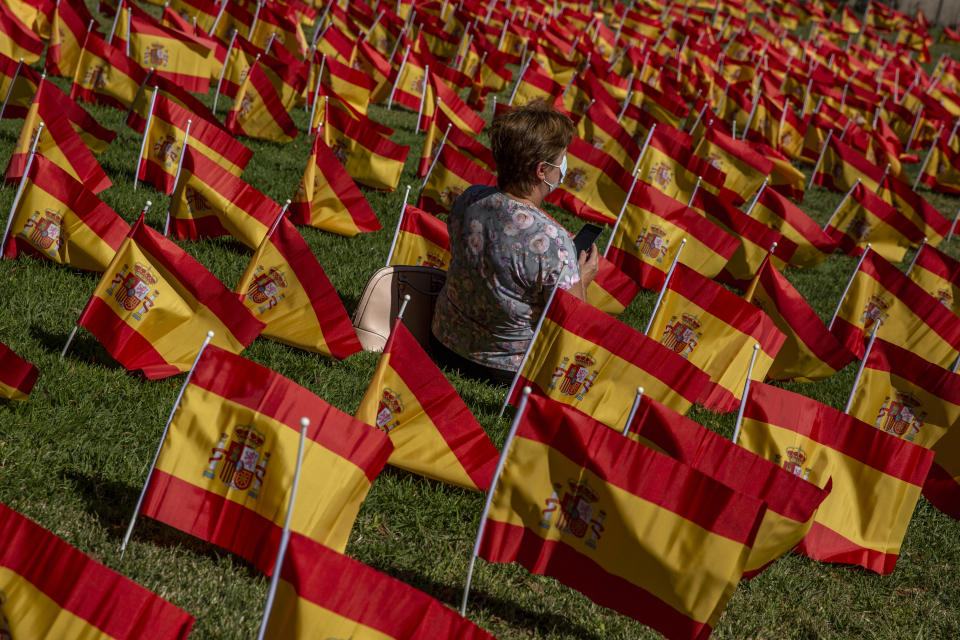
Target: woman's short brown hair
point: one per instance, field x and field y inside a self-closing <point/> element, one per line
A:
<point x="524" y="137"/>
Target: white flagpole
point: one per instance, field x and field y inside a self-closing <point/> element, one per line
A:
<point x="423" y="95"/>
<point x="536" y="332"/>
<point x="926" y="158"/>
<point x="839" y="206"/>
<point x="113" y="27"/>
<point x="633" y="410"/>
<point x="393" y="89"/>
<point x="20" y="188"/>
<point x="746" y="392"/>
<point x="916" y="255"/>
<point x="216" y="21"/>
<point x="285" y="536"/>
<point x="129" y="31"/>
<point x="223" y="69"/>
<point x="953" y="131"/>
<point x="316" y="91"/>
<point x="136" y="97"/>
<point x="863" y="364"/>
<point x="913" y="130"/>
<point x="176" y="179"/>
<point x="16" y="73"/>
<point x="663" y="290"/>
<point x="403" y="307"/>
<point x="269" y="234"/>
<point x="493" y="485"/>
<point x="523" y="70"/>
<point x="956" y="365"/>
<point x="176" y="405"/>
<point x="953" y="227"/>
<point x="623" y="208"/>
<point x="756" y="198"/>
<point x="847" y="288"/>
<point x="753" y="111"/>
<point x="256" y="18"/>
<point x="146" y="133"/>
<point x="396" y="234"/>
<point x="883" y="178"/>
<point x="703" y="110"/>
<point x="696" y="188"/>
<point x="433" y="163"/>
<point x="823" y="150"/>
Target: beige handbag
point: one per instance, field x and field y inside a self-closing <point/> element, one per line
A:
<point x="383" y="296"/>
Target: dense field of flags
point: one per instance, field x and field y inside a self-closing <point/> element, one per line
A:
<point x="692" y="117"/>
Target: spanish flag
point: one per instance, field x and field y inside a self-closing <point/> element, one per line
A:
<point x="59" y="219"/>
<point x="440" y="127"/>
<point x="154" y="305"/>
<point x="433" y="432"/>
<point x="602" y="131"/>
<point x="278" y="21"/>
<point x="225" y="470"/>
<point x="285" y="287"/>
<point x="209" y="201"/>
<point x="105" y="75"/>
<point x="370" y="158"/>
<point x="876" y="477"/>
<point x="68" y="30"/>
<point x="351" y="85"/>
<point x="140" y="111"/>
<point x="452" y="174"/>
<point x="864" y="217"/>
<point x="327" y="197"/>
<point x="810" y="351"/>
<point x="17" y="40"/>
<point x="911" y="317"/>
<point x="715" y="330"/>
<point x="422" y="240"/>
<point x="673" y="169"/>
<point x="184" y="59"/>
<point x="942" y="487"/>
<point x="457" y="111"/>
<point x="791" y="501"/>
<point x="934" y="224"/>
<point x="611" y="290"/>
<point x="586" y="359"/>
<point x="311" y="595"/>
<point x="842" y="165"/>
<point x="649" y="235"/>
<point x="257" y="110"/>
<point x="163" y="146"/>
<point x="18" y="85"/>
<point x="744" y="168"/>
<point x="942" y="170"/>
<point x="537" y="85"/>
<point x="53" y="590"/>
<point x="607" y="516"/>
<point x="594" y="186"/>
<point x="778" y="213"/>
<point x="17" y="376"/>
<point x="939" y="275"/>
<point x="96" y="136"/>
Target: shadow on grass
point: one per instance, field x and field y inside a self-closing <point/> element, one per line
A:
<point x="83" y="348"/>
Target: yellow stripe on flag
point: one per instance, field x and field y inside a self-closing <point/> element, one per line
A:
<point x="33" y="614"/>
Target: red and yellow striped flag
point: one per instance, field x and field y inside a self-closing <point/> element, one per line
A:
<point x="876" y="477"/>
<point x="810" y="352"/>
<point x="778" y="213"/>
<point x="939" y="275"/>
<point x="841" y="166"/>
<point x="17" y="40"/>
<point x="17" y="376"/>
<point x="285" y="287"/>
<point x="155" y="304"/>
<point x="433" y="432"/>
<point x="422" y="240"/>
<point x="442" y="126"/>
<point x="105" y="75"/>
<point x="672" y="168"/>
<point x="715" y="330"/>
<point x="53" y="590"/>
<point x="594" y="186"/>
<point x="452" y="174"/>
<point x="184" y="59"/>
<point x="605" y="515"/>
<point x="18" y="85"/>
<point x="744" y="168"/>
<point x="257" y="110"/>
<point x="650" y="232"/>
<point x="327" y="197"/>
<point x="311" y="596"/>
<point x="225" y="470"/>
<point x="585" y="358"/>
<point x="59" y="219"/>
<point x="370" y="158"/>
<point x="917" y="209"/>
<point x="611" y="290"/>
<point x="911" y="317"/>
<point x="864" y="217"/>
<point x="942" y="170"/>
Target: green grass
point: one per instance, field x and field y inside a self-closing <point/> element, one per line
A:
<point x="75" y="456"/>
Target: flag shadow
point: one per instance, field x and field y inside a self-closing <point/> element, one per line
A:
<point x="84" y="346"/>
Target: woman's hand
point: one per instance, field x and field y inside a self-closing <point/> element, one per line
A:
<point x="589" y="264"/>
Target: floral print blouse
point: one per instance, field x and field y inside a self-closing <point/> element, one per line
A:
<point x="505" y="258"/>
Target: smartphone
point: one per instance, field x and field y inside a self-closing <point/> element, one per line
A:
<point x="586" y="237"/>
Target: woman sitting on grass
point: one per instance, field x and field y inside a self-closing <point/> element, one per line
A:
<point x="506" y="253"/>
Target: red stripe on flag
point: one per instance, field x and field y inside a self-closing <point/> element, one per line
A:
<point x="827" y="545"/>
<point x="942" y="491"/>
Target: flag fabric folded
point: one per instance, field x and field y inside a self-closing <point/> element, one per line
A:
<point x="452" y="174"/>
<point x="17" y="40"/>
<point x="791" y="501"/>
<point x="671" y="167"/>
<point x="155" y="304"/>
<point x="585" y="358"/>
<point x="939" y="275"/>
<point x="105" y="75"/>
<point x="715" y="330"/>
<point x="96" y="136"/>
<point x="942" y="487"/>
<point x="911" y="317"/>
<point x="257" y="110"/>
<point x="594" y="186"/>
<point x="182" y="58"/>
<point x="327" y="197"/>
<point x="876" y="477"/>
<point x="368" y="157"/>
<point x="841" y="167"/>
<point x="864" y="217"/>
<point x="744" y="168"/>
<point x="810" y="352"/>
<point x="649" y="235"/>
<point x="433" y="432"/>
<point x="17" y="376"/>
<point x="137" y="118"/>
<point x="225" y="470"/>
<point x="18" y="85"/>
<point x="53" y="590"/>
<point x="285" y="287"/>
<point x="311" y="596"/>
<point x="606" y="516"/>
<point x="59" y="219"/>
<point x="422" y="240"/>
<point x="778" y="213"/>
<point x="942" y="170"/>
<point x="209" y="201"/>
<point x="441" y="125"/>
<point x="935" y="225"/>
<point x="611" y="290"/>
<point x="164" y="144"/>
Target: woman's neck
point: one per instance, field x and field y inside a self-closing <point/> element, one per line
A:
<point x="532" y="199"/>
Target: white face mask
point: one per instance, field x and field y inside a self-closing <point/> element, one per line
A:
<point x="563" y="172"/>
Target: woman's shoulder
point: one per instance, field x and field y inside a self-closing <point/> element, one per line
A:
<point x="474" y="195"/>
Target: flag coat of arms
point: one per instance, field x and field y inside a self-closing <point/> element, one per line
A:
<point x="939" y="275"/>
<point x="327" y="197"/>
<point x="226" y="468"/>
<point x="594" y="186"/>
<point x="585" y="358"/>
<point x="155" y="303"/>
<point x="778" y="213"/>
<point x="715" y="330"/>
<point x="17" y="376"/>
<point x="791" y="501"/>
<point x="370" y="158"/>
<point x="649" y="235"/>
<point x="842" y="166"/>
<point x="311" y="596"/>
<point x="673" y="169"/>
<point x="433" y="432"/>
<point x="876" y="476"/>
<point x="285" y="287"/>
<point x="911" y="317"/>
<point x="866" y="217"/>
<point x="422" y="241"/>
<point x="53" y="590"/>
<point x="258" y="111"/>
<point x="608" y="516"/>
<point x="105" y="75"/>
<point x="744" y="169"/>
<point x="179" y="57"/>
<point x="59" y="219"/>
